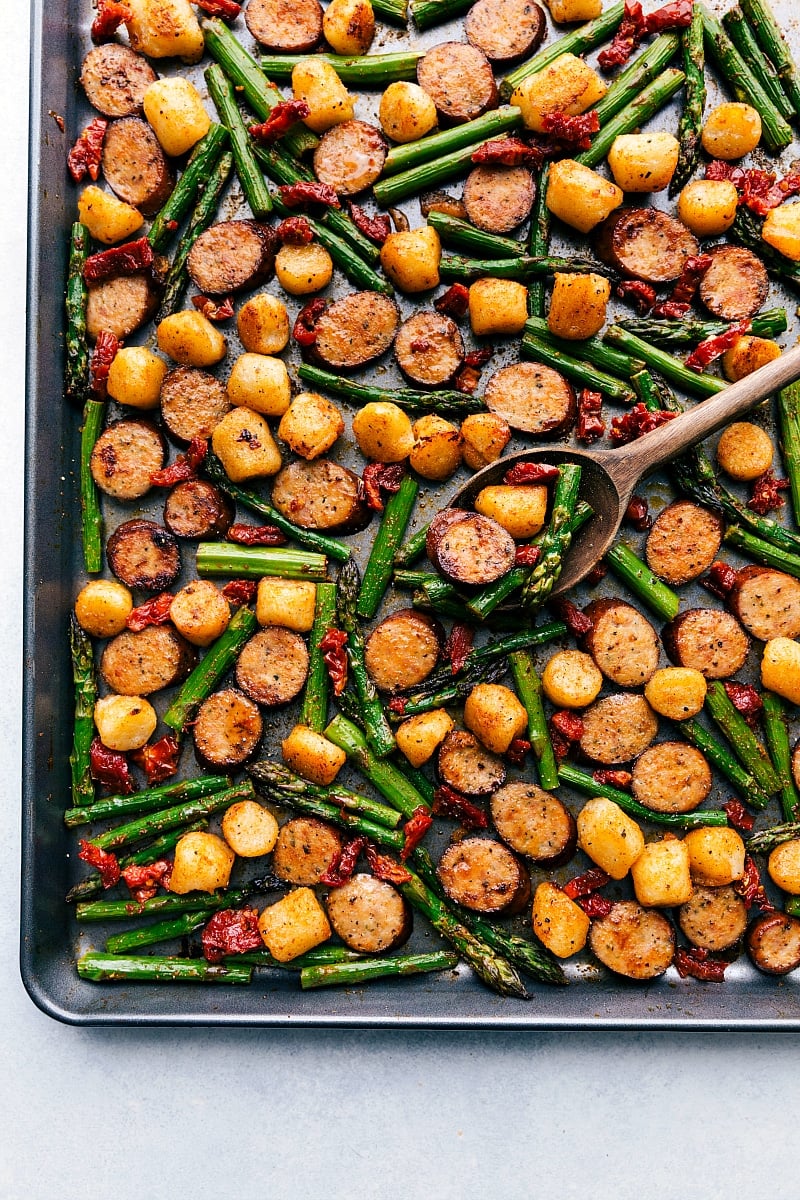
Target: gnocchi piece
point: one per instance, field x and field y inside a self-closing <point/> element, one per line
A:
<point x="107" y="218"/>
<point x="571" y="679"/>
<point x="286" y="602"/>
<point x="564" y="12"/>
<point x="411" y="259"/>
<point x="578" y="305"/>
<point x="244" y="445"/>
<point x="419" y="737"/>
<point x="165" y="29"/>
<point x="203" y="863"/>
<point x="349" y="26"/>
<point x="436" y="452"/>
<point x="124" y="722"/>
<point x="263" y="324"/>
<point x="311" y="425"/>
<point x="559" y="923"/>
<point x="260" y="383"/>
<point x="317" y="83"/>
<point x="497" y="306"/>
<point x="406" y="112"/>
<point x="731" y="130"/>
<point x="783" y="866"/>
<point x="745" y="451"/>
<point x="311" y="755"/>
<point x="494" y="714"/>
<point x="249" y="829"/>
<point x="748" y="355"/>
<point x="135" y="377"/>
<point x="176" y="114"/>
<point x="190" y="339"/>
<point x="579" y="196"/>
<point x="567" y="85"/>
<point x="780" y="668"/>
<point x="781" y="230"/>
<point x="484" y="438"/>
<point x="716" y="855"/>
<point x="521" y="510"/>
<point x="609" y="837"/>
<point x="294" y="925"/>
<point x="643" y="162"/>
<point x="302" y="270"/>
<point x="384" y="432"/>
<point x="200" y="612"/>
<point x="661" y="876"/>
<point x="676" y="692"/>
<point x="708" y="206"/>
<point x="102" y="607"/>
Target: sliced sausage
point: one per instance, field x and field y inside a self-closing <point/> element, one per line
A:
<point x="355" y="329"/>
<point x="143" y="554"/>
<point x="226" y="729"/>
<point x="713" y="918"/>
<point x="429" y="348"/>
<point x="671" y="778"/>
<point x="305" y="849"/>
<point x="472" y="550"/>
<point x="468" y="767"/>
<point x="136" y="664"/>
<point x="197" y="510"/>
<point x="534" y="823"/>
<point x="232" y="255"/>
<point x="403" y="650"/>
<point x="120" y="306"/>
<point x="484" y="876"/>
<point x="498" y="199"/>
<point x="192" y="403"/>
<point x="532" y="398"/>
<point x="125" y="456"/>
<point x="618" y="728"/>
<point x="115" y="79"/>
<point x="350" y="157"/>
<point x="767" y="602"/>
<point x="736" y="284"/>
<point x="321" y="495"/>
<point x="272" y="667"/>
<point x="636" y="942"/>
<point x="683" y="542"/>
<point x="707" y="639"/>
<point x="459" y="80"/>
<point x="773" y="943"/>
<point x="505" y="30"/>
<point x="292" y="26"/>
<point x="135" y="166"/>
<point x="645" y="243"/>
<point x="369" y="915"/>
<point x="622" y="642"/>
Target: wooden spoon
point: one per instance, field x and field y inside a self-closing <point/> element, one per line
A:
<point x="610" y="476"/>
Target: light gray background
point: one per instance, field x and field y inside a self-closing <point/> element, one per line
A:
<point x="140" y="1115"/>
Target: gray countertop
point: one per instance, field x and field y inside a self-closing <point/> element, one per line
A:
<point x="140" y="1114"/>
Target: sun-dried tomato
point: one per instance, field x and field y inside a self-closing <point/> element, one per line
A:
<point x="643" y="295"/>
<point x="105" y="862"/>
<point x="745" y="699"/>
<point x="637" y="514"/>
<point x="567" y="724"/>
<point x="378" y="478"/>
<point x="719" y="170"/>
<point x="670" y="309"/>
<point x="591" y="426"/>
<point x="596" y="906"/>
<point x="504" y="152"/>
<point x="119" y="260"/>
<point x="576" y="621"/>
<point x="612" y="778"/>
<point x="598" y="572"/>
<point x="517" y="751"/>
<point x="240" y="591"/>
<point x="105" y="351"/>
<point x="397" y="705"/>
<point x="307" y="192"/>
<point x="751" y="889"/>
<point x="698" y="965"/>
<point x="110" y="768"/>
<point x="227" y="9"/>
<point x="449" y="803"/>
<point x="713" y="347"/>
<point x="630" y="32"/>
<point x="415" y="829"/>
<point x="87" y="153"/>
<point x="332" y="644"/>
<point x="531" y="472"/>
<point x="636" y="422"/>
<point x="256" y="535"/>
<point x="575" y="131"/>
<point x="527" y="556"/>
<point x="295" y="231"/>
<point x="280" y="120"/>
<point x="454" y="302"/>
<point x="760" y="191"/>
<point x="213" y="311"/>
<point x="675" y="15"/>
<point x="376" y="228"/>
<point x="561" y="746"/>
<point x="231" y="931"/>
<point x="766" y="495"/>
<point x="467" y="380"/>
<point x="458" y="645"/>
<point x="686" y="286"/>
<point x="342" y="865"/>
<point x="304" y="331"/>
<point x="478" y="358"/>
<point x="145" y="881"/>
<point x="158" y="760"/>
<point x="585" y="884"/>
<point x="152" y="612"/>
<point x="385" y="868"/>
<point x="721" y="579"/>
<point x="738" y="815"/>
<point x="185" y="465"/>
<point x="110" y="15"/>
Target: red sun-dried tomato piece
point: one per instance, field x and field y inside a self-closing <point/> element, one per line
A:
<point x="105" y="351"/>
<point x="86" y="155"/>
<point x="766" y="495"/>
<point x="598" y="572"/>
<point x="342" y="865"/>
<point x="567" y="724"/>
<point x="637" y="421"/>
<point x="641" y="294"/>
<point x="517" y="751"/>
<point x="527" y="556"/>
<point x="686" y="286"/>
<point x="332" y="644"/>
<point x="256" y="535"/>
<point x="376" y="228"/>
<point x="103" y="860"/>
<point x="295" y="231"/>
<point x="449" y="803"/>
<point x="478" y="358"/>
<point x="213" y="311"/>
<point x="760" y="191"/>
<point x="612" y="778"/>
<point x="585" y="884"/>
<point x="630" y="32"/>
<point x="308" y="192"/>
<point x="280" y="120"/>
<point x="751" y="889"/>
<point x="458" y="645"/>
<point x="717" y="169"/>
<point x="227" y="9"/>
<point x="675" y="15"/>
<point x="575" y="131"/>
<point x="738" y="815"/>
<point x="185" y="465"/>
<point x="378" y="478"/>
<point x="415" y="829"/>
<point x="721" y="579"/>
<point x="385" y="868"/>
<point x="595" y="906"/>
<point x="304" y="330"/>
<point x="561" y="746"/>
<point x="531" y="472"/>
<point x="240" y="591"/>
<point x="454" y="302"/>
<point x="158" y="760"/>
<point x="110" y="768"/>
<point x="231" y="931"/>
<point x="637" y="514"/>
<point x="745" y="699"/>
<point x="467" y="380"/>
<point x="110" y="15"/>
<point x="576" y="621"/>
<point x="698" y="965"/>
<point x="152" y="612"/>
<point x="713" y="347"/>
<point x="145" y="881"/>
<point x="397" y="705"/>
<point x="670" y="309"/>
<point x="119" y="260"/>
<point x="504" y="152"/>
<point x="591" y="426"/>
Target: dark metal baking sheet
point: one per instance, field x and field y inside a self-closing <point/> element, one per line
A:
<point x="50" y="940"/>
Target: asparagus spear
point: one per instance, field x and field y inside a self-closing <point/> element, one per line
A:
<point x="746" y="229"/>
<point x="523" y="267"/>
<point x="145" y="801"/>
<point x="762" y="551"/>
<point x="746" y="746"/>
<point x="364" y="393"/>
<point x="556" y="541"/>
<point x="76" y="353"/>
<point x="777" y="736"/>
<point x="217" y="661"/>
<point x="281" y="780"/>
<point x="351" y="974"/>
<point x="590" y="787"/>
<point x="577" y="42"/>
<point x="690" y="124"/>
<point x="413" y="549"/>
<point x="314" y="711"/>
<point x="539" y="240"/>
<point x="253" y="562"/>
<point x="427" y="13"/>
<point x="641" y="108"/>
<point x="391" y="189"/>
<point x="789" y="426"/>
<point x="171" y="818"/>
<point x="471" y="133"/>
<point x="393" y="11"/>
<point x="689" y="330"/>
<point x="204" y="213"/>
<point x="378" y="730"/>
<point x="641" y="71"/>
<point x="253" y="185"/>
<point x="695" y="382"/>
<point x="368" y="70"/>
<point x="575" y="370"/>
<point x="94" y="412"/>
<point x="720" y="757"/>
<point x="767" y="839"/>
<point x="320" y="956"/>
<point x="740" y="32"/>
<point x="113" y="968"/>
<point x="642" y="582"/>
<point x="592" y="350"/>
<point x="529" y="687"/>
<point x="394" y="520"/>
<point x="159" y="931"/>
<point x="773" y="42"/>
<point x="306" y="802"/>
<point x="456" y="689"/>
<point x="384" y="775"/>
<point x="203" y="159"/>
<point x="85" y="685"/>
<point x="172" y="905"/>
<point x="464" y="236"/>
<point x="92" y="885"/>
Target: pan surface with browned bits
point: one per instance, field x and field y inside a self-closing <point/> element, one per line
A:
<point x="321" y="495"/>
<point x="532" y="398"/>
<point x="143" y="554"/>
<point x="484" y="876"/>
<point x="645" y="243"/>
<point x="350" y="157"/>
<point x="467" y="766"/>
<point x="232" y="255"/>
<point x="134" y="165"/>
<point x="505" y="30"/>
<point x="683" y="542"/>
<point x="291" y="26"/>
<point x="138" y="664"/>
<point x="636" y="942"/>
<point x="227" y="729"/>
<point x="355" y="330"/>
<point x="369" y="915"/>
<point x="124" y="457"/>
<point x="707" y="639"/>
<point x="305" y="849"/>
<point x="459" y="80"/>
<point x="115" y="79"/>
<point x="403" y="650"/>
<point x="429" y="348"/>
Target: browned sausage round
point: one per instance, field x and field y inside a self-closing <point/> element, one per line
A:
<point x="505" y="29"/>
<point x="736" y="284"/>
<point x="143" y="554"/>
<point x="369" y="915"/>
<point x="683" y="542"/>
<point x="134" y="165"/>
<point x="429" y="348"/>
<point x="484" y="876"/>
<point x="136" y="664"/>
<point x="472" y="550"/>
<point x="713" y="918"/>
<point x="197" y="510"/>
<point x="350" y="157"/>
<point x="671" y="778"/>
<point x="468" y="767"/>
<point x="622" y="642"/>
<point x="767" y="602"/>
<point x="192" y="403"/>
<point x="498" y="199"/>
<point x="227" y="729"/>
<point x="636" y="942"/>
<point x="305" y="849"/>
<point x="232" y="255"/>
<point x="707" y="639"/>
<point x="773" y="943"/>
<point x="403" y="649"/>
<point x="120" y="306"/>
<point x="534" y="823"/>
<point x="115" y="79"/>
<point x="532" y="398"/>
<point x="272" y="667"/>
<point x="321" y="495"/>
<point x="292" y="26"/>
<point x="355" y="329"/>
<point x="645" y="243"/>
<point x="618" y="728"/>
<point x="459" y="80"/>
<point x="125" y="456"/>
